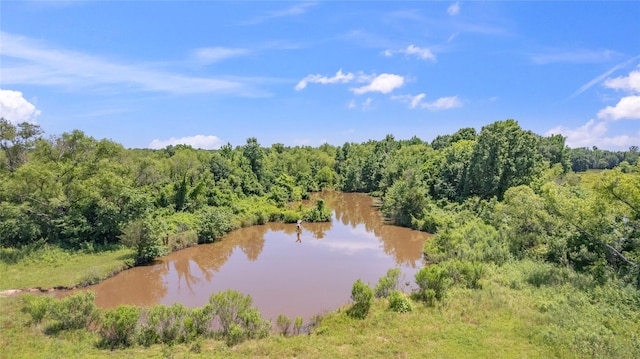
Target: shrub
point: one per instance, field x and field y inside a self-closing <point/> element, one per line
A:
<point x="318" y="214"/>
<point x="297" y="326"/>
<point x="37" y="307"/>
<point x="466" y="273"/>
<point x="214" y="223"/>
<point x="237" y="319"/>
<point x="398" y="302"/>
<point x="197" y="322"/>
<point x="432" y="281"/>
<point x="387" y="283"/>
<point x="362" y="296"/>
<point x="163" y="325"/>
<point x="118" y="326"/>
<point x="284" y="323"/>
<point x="76" y="311"/>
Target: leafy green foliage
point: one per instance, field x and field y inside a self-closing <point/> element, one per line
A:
<point x="503" y="156"/>
<point x="399" y="302"/>
<point x="433" y="281"/>
<point x="388" y="283"/>
<point x="142" y="235"/>
<point x="237" y="318"/>
<point x="284" y="324"/>
<point x="362" y="296"/>
<point x="117" y="327"/>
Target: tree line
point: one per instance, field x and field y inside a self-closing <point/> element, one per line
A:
<point x="491" y="195"/>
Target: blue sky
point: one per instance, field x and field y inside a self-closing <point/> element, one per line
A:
<point x="153" y="73"/>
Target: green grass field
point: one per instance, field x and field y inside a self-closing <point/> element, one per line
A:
<point x="49" y="266"/>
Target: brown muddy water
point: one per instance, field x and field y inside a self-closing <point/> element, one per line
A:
<point x="285" y="271"/>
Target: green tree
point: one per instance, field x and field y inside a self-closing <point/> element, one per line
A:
<point x="503" y="156"/>
<point x="16" y="141"/>
<point x="143" y="236"/>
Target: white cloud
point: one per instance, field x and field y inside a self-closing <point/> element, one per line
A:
<point x="383" y="83"/>
<point x="629" y="83"/>
<point x="415" y="101"/>
<point x="210" y="55"/>
<point x="627" y="108"/>
<point x="594" y="133"/>
<point x="15" y="109"/>
<point x="198" y="141"/>
<point x="319" y="79"/>
<point x="26" y="61"/>
<point x="420" y="52"/>
<point x="443" y="103"/>
<point x="454" y="9"/>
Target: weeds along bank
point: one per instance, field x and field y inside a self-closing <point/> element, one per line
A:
<point x="517" y="309"/>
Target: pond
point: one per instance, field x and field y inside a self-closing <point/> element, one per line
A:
<point x="285" y="271"/>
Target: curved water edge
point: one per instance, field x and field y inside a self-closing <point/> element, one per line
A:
<point x="286" y="271"/>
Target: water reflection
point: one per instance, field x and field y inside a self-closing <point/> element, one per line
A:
<point x="286" y="269"/>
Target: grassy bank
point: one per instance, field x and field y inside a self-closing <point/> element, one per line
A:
<point x="50" y="266"/>
<point x="509" y="317"/>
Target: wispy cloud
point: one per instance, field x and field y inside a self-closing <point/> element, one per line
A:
<point x="578" y="56"/>
<point x="209" y="55"/>
<point x="419" y="52"/>
<point x="598" y="79"/>
<point x="442" y="103"/>
<point x="15" y="108"/>
<point x="339" y="77"/>
<point x="198" y="141"/>
<point x="454" y="9"/>
<point x="26" y="61"/>
<point x="294" y="10"/>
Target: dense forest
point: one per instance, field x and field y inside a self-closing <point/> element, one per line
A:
<point x="499" y="196"/>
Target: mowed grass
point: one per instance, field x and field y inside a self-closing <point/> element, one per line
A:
<point x="49" y="267"/>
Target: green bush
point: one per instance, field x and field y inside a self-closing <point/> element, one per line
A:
<point x="77" y="311"/>
<point x="465" y="273"/>
<point x="284" y="323"/>
<point x="163" y="325"/>
<point x="362" y="296"/>
<point x="214" y="223"/>
<point x="117" y="327"/>
<point x="297" y="325"/>
<point x="398" y="302"/>
<point x="318" y="214"/>
<point x="197" y="323"/>
<point x="236" y="317"/>
<point x="388" y="283"/>
<point x="37" y="307"/>
<point x="433" y="282"/>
